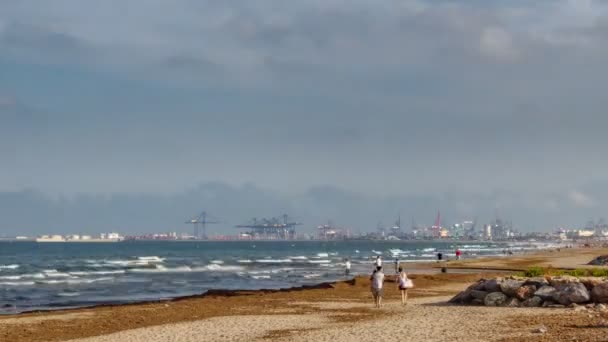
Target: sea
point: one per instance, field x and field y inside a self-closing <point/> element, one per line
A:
<point x="49" y="276"/>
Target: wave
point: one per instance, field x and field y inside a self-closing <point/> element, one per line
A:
<point x="96" y="273"/>
<point x="17" y="283"/>
<point x="301" y="257"/>
<point x="220" y="268"/>
<point x="319" y="261"/>
<point x="151" y="259"/>
<point x="218" y="262"/>
<point x="260" y="277"/>
<point x="9" y="267"/>
<point x="244" y="261"/>
<point x="273" y="261"/>
<point x="322" y="255"/>
<point x="55" y="274"/>
<point x="68" y="294"/>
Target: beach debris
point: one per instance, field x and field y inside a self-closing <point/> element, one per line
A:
<point x="495" y="299"/>
<point x="540" y="330"/>
<point x="599" y="261"/>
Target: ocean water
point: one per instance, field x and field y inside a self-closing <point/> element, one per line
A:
<point x="43" y="276"/>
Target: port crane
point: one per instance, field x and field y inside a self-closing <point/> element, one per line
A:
<point x="280" y="228"/>
<point x="203" y="220"/>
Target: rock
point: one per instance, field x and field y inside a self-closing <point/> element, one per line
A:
<point x="480" y="285"/>
<point x="556" y="306"/>
<point x="495" y="299"/>
<point x="510" y="287"/>
<point x="600" y="293"/>
<point x="477" y="302"/>
<point x="591" y="282"/>
<point x="563" y="280"/>
<point x="600" y="260"/>
<point x="479" y="294"/>
<point x="548" y="303"/>
<point x="525" y="292"/>
<point x="536" y="281"/>
<point x="493" y="285"/>
<point x="590" y="306"/>
<point x="572" y="293"/>
<point x="540" y="330"/>
<point x="512" y="303"/>
<point x="579" y="308"/>
<point x="601" y="307"/>
<point x="546" y="292"/>
<point x="533" y="302"/>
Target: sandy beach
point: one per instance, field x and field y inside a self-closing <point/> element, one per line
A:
<point x="340" y="312"/>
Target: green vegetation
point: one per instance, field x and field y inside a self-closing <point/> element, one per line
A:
<point x="579" y="272"/>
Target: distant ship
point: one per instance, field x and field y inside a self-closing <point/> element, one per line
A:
<point x="110" y="237"/>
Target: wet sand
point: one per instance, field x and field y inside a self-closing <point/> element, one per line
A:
<point x="342" y="312"/>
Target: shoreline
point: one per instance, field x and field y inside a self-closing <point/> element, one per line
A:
<point x="311" y="312"/>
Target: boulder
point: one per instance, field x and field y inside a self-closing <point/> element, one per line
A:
<point x="563" y="280"/>
<point x="600" y="293"/>
<point x="478" y="294"/>
<point x="480" y="285"/>
<point x="601" y="307"/>
<point x="536" y="281"/>
<point x="548" y="303"/>
<point x="495" y="299"/>
<point x="510" y="287"/>
<point x="599" y="261"/>
<point x="533" y="302"/>
<point x="493" y="285"/>
<point x="572" y="293"/>
<point x="546" y="292"/>
<point x="512" y="303"/>
<point x="464" y="297"/>
<point x="591" y="282"/>
<point x="477" y="302"/>
<point x="525" y="292"/>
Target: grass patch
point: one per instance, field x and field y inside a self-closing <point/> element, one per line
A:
<point x="579" y="272"/>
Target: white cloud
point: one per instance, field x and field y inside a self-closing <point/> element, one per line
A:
<point x="497" y="43"/>
<point x="580" y="199"/>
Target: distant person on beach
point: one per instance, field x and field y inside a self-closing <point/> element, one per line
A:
<point x="378" y="261"/>
<point x="377" y="282"/>
<point x="347" y="267"/>
<point x="405" y="283"/>
<point x="397" y="266"/>
<point x="439" y="256"/>
<point x="458" y="253"/>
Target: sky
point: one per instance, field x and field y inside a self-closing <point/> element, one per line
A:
<point x="134" y="114"/>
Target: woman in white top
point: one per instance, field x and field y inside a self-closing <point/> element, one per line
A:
<point x="377" y="282"/>
<point x="404" y="284"/>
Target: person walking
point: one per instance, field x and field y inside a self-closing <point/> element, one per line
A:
<point x="405" y="283"/>
<point x="458" y="253"/>
<point x="377" y="284"/>
<point x="347" y="267"/>
<point x="396" y="265"/>
<point x="378" y="261"/>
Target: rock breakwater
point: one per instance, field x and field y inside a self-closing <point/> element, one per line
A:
<point x="548" y="291"/>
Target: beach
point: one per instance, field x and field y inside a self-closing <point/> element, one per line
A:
<point x="341" y="311"/>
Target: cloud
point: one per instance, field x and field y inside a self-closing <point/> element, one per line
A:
<point x="497" y="43"/>
<point x="580" y="199"/>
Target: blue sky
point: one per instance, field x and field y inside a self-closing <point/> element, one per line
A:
<point x="443" y="99"/>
